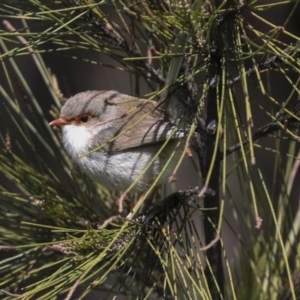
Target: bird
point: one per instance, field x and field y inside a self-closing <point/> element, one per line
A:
<point x="114" y="137"/>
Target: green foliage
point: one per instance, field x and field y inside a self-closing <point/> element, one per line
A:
<point x="62" y="234"/>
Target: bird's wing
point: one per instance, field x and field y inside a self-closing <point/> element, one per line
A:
<point x="149" y="131"/>
<point x="135" y="133"/>
<point x="143" y="125"/>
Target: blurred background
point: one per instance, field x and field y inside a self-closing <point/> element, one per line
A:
<point x="79" y="70"/>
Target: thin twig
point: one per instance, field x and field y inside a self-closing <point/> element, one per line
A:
<point x="10" y="294"/>
<point x="273" y="62"/>
<point x="216" y="239"/>
<point x="72" y="290"/>
<point x="261" y="132"/>
<point x="22" y="40"/>
<point x="107" y="222"/>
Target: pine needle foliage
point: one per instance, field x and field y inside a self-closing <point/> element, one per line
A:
<point x="215" y="67"/>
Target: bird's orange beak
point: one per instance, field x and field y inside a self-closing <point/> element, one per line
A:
<point x="59" y="122"/>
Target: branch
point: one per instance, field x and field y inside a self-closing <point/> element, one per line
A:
<point x="287" y="122"/>
<point x="272" y="63"/>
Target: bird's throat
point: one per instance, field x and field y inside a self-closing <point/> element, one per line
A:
<point x="77" y="140"/>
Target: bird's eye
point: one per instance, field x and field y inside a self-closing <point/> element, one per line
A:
<point x="84" y="119"/>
